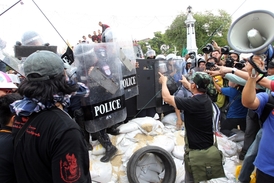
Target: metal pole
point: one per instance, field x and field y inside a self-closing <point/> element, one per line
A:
<point x="10" y="8"/>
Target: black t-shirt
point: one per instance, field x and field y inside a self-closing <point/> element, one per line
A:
<point x="198" y="115"/>
<point x="52" y="150"/>
<point x="7" y="173"/>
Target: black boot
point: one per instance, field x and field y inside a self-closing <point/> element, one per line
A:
<point x="106" y="143"/>
<point x="113" y="130"/>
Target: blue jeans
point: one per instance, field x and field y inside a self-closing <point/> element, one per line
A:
<point x="248" y="166"/>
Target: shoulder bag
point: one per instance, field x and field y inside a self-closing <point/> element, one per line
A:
<point x="204" y="164"/>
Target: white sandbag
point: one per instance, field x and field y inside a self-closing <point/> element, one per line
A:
<point x="170" y="118"/>
<point x="159" y="130"/>
<point x="123" y="179"/>
<point x="128" y="153"/>
<point x="98" y="171"/>
<point x="149" y="176"/>
<point x="125" y="141"/>
<point x="228" y="147"/>
<point x="230" y="166"/>
<point x="162" y="175"/>
<point x="219" y="180"/>
<point x="143" y="181"/>
<point x="156" y="116"/>
<point x="180" y="137"/>
<point x="151" y="162"/>
<point x="132" y="135"/>
<point x="114" y="178"/>
<point x="178" y="152"/>
<point x="128" y="127"/>
<point x="147" y="124"/>
<point x="180" y="170"/>
<point x="98" y="149"/>
<point x="171" y="128"/>
<point x="166" y="142"/>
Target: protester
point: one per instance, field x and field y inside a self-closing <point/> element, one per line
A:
<point x="218" y="79"/>
<point x="99" y="35"/>
<point x="198" y="113"/>
<point x="236" y="114"/>
<point x="7" y="173"/>
<point x="104" y="26"/>
<point x="242" y="76"/>
<point x="265" y="157"/>
<point x="95" y="38"/>
<point x="251" y="144"/>
<point x="6" y="84"/>
<point x="49" y="146"/>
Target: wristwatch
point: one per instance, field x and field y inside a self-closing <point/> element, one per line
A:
<point x="233" y="70"/>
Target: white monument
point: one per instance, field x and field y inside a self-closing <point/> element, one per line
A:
<point x="191" y="38"/>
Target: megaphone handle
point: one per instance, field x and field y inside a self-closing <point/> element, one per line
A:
<point x="255" y="66"/>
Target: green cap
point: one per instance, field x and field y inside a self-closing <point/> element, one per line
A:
<point x="201" y="79"/>
<point x="45" y="63"/>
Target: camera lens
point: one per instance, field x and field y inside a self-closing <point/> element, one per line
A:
<point x="207" y="49"/>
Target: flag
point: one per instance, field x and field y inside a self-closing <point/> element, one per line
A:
<point x="184" y="51"/>
<point x="68" y="56"/>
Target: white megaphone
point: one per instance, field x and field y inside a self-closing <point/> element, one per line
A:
<point x="252" y="32"/>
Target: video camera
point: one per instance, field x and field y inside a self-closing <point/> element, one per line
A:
<point x="209" y="65"/>
<point x="208" y="48"/>
<point x="229" y="62"/>
<point x="240" y="65"/>
<point x="225" y="50"/>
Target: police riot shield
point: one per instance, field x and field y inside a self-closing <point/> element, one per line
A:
<point x="146" y="82"/>
<point x="126" y="55"/>
<point x="12" y="62"/>
<point x="99" y="67"/>
<point x="173" y="70"/>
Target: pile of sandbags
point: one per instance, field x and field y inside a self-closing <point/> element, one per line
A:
<point x="159" y="136"/>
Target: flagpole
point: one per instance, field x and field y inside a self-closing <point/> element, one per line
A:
<point x="10" y="7"/>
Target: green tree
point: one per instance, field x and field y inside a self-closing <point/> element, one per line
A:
<point x="208" y="27"/>
<point x="155" y="43"/>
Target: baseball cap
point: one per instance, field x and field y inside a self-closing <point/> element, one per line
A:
<point x="45" y="63"/>
<point x="5" y="81"/>
<point x="201" y="79"/>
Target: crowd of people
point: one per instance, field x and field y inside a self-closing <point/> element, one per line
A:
<point x="212" y="93"/>
<point x="96" y="37"/>
<point x="234" y="105"/>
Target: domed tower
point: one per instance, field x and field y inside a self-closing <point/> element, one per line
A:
<point x="191" y="38"/>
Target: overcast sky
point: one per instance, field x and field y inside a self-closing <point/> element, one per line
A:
<point x="69" y="20"/>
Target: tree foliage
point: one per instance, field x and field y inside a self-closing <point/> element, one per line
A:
<point x="208" y="27"/>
